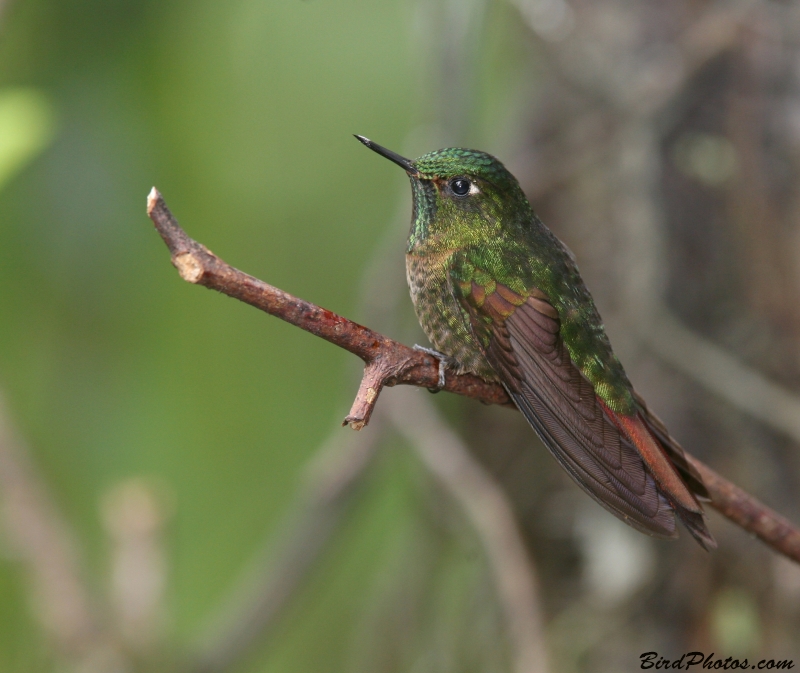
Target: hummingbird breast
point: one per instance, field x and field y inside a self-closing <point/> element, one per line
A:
<point x="443" y="319"/>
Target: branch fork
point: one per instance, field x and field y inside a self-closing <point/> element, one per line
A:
<point x="389" y="363"/>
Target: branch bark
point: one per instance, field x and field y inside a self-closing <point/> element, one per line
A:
<point x="388" y="363"/>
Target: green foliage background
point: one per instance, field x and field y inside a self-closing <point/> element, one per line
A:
<point x="242" y="114"/>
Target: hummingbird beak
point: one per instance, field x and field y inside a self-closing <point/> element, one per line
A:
<point x="406" y="164"/>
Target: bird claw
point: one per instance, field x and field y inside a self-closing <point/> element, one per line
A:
<point x="445" y="361"/>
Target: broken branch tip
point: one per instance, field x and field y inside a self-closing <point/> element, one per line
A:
<point x="354" y="422"/>
<point x="152" y="200"/>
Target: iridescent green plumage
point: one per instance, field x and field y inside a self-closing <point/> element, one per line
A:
<point x="502" y="297"/>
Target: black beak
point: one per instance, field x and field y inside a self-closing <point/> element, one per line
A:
<point x="406" y="164"/>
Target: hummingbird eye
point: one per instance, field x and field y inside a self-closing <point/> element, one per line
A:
<point x="460" y="186"/>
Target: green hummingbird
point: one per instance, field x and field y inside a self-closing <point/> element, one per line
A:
<point x="500" y="296"/>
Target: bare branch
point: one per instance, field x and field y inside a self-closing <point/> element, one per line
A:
<point x="745" y="511"/>
<point x="401" y="364"/>
<point x="389" y="362"/>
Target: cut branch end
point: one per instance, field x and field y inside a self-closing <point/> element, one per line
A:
<point x="189" y="267"/>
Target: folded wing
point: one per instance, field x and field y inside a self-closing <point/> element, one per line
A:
<point x="617" y="459"/>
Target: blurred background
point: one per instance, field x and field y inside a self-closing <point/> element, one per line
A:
<point x="176" y="490"/>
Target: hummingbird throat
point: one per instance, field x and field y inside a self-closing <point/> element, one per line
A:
<point x="423" y="210"/>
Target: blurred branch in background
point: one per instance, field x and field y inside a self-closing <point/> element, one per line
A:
<point x="42" y="540"/>
<point x="135" y="512"/>
<point x="74" y="622"/>
<point x="332" y="481"/>
<point x="721" y="373"/>
<point x="490" y="513"/>
<point x="253" y="611"/>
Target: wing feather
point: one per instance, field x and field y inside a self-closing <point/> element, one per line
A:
<point x="612" y="457"/>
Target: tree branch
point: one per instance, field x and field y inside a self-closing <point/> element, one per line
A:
<point x="748" y="513"/>
<point x="389" y="363"/>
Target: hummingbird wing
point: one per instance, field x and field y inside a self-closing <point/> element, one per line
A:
<point x="617" y="459"/>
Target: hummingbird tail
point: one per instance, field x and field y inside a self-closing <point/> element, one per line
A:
<point x="663" y="458"/>
<point x="694" y="522"/>
<point x="696" y="525"/>
<point x="674" y="451"/>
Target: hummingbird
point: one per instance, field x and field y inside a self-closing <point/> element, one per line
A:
<point x="501" y="297"/>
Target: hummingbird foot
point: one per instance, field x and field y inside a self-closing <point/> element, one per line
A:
<point x="445" y="361"/>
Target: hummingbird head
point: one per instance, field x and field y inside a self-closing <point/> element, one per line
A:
<point x="461" y="197"/>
